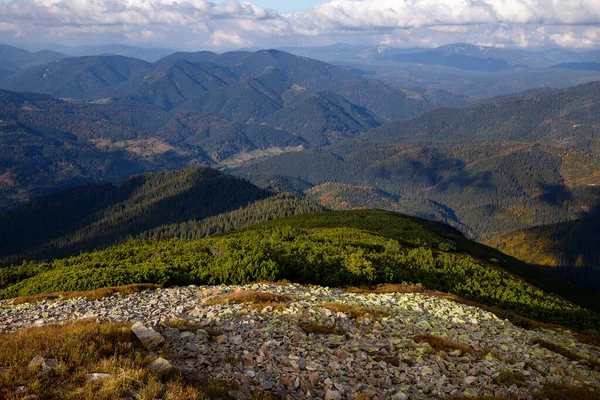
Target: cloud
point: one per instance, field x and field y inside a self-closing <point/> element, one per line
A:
<point x="197" y="23"/>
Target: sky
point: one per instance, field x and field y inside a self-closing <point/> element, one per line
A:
<point x="227" y="24"/>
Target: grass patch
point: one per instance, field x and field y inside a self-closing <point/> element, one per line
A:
<point x="318" y="328"/>
<point x="385" y="288"/>
<point x="183" y="324"/>
<point x="84" y="347"/>
<point x="565" y="352"/>
<point x="508" y="378"/>
<point x="356" y="312"/>
<point x="90" y="294"/>
<point x="561" y="391"/>
<point x="253" y="298"/>
<point x="558" y="349"/>
<point x="443" y="344"/>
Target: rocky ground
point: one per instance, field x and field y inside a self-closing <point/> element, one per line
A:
<point x="299" y="348"/>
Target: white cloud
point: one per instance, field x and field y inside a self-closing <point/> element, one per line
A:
<point x="187" y="23"/>
<point x="221" y="38"/>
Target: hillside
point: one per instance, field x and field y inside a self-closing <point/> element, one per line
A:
<point x="494" y="167"/>
<point x="76" y="77"/>
<point x="13" y="59"/>
<point x="569" y="249"/>
<point x="166" y="204"/>
<point x="579" y="66"/>
<point x="188" y="109"/>
<point x="569" y="244"/>
<point x="568" y="117"/>
<point x="322" y="118"/>
<point x="50" y="144"/>
<point x="170" y="85"/>
<point x="370" y="246"/>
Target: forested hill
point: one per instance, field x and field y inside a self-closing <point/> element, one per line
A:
<point x="330" y="248"/>
<point x="166" y="204"/>
<point x="487" y="169"/>
<point x="120" y="116"/>
<point x="566" y="244"/>
<point x="566" y="117"/>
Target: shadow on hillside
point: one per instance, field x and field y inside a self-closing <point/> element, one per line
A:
<point x="120" y="213"/>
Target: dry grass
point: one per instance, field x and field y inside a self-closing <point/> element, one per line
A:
<point x="85" y="347"/>
<point x="443" y="344"/>
<point x="557" y="349"/>
<point x="90" y="294"/>
<point x="587" y="339"/>
<point x="318" y="328"/>
<point x="508" y="378"/>
<point x="183" y="324"/>
<point x="356" y="312"/>
<point x="565" y="352"/>
<point x="253" y="298"/>
<point x="385" y="288"/>
<point x="560" y="391"/>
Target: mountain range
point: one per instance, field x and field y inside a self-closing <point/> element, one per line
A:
<point x="120" y="116"/>
<point x="487" y="169"/>
<point x="291" y="123"/>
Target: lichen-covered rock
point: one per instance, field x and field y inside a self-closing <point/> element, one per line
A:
<point x="149" y="337"/>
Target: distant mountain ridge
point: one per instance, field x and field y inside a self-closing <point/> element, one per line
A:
<point x="13" y="59"/>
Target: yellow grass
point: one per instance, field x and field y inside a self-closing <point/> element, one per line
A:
<point x="253" y="298"/>
<point x="356" y="312"/>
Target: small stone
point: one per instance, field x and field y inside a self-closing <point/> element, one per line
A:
<point x="20" y="390"/>
<point x="149" y="337"/>
<point x="44" y="364"/>
<point x="469" y="380"/>
<point x="97" y="376"/>
<point x="332" y="395"/>
<point x="160" y="366"/>
<point x="400" y="396"/>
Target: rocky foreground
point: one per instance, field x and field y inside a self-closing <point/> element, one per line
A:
<point x="303" y="347"/>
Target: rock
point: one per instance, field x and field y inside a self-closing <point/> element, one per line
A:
<point x="160" y="366"/>
<point x="332" y="395"/>
<point x="45" y="365"/>
<point x="236" y="340"/>
<point x="400" y="396"/>
<point x="149" y="337"/>
<point x="96" y="376"/>
<point x="469" y="380"/>
<point x="20" y="390"/>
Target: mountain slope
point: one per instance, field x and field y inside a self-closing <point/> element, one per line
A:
<point x="49" y="144"/>
<point x="76" y="77"/>
<point x="566" y="244"/>
<point x="568" y="117"/>
<point x="483" y="165"/>
<point x="170" y="85"/>
<point x="13" y="59"/>
<point x="97" y="215"/>
<point x="331" y="248"/>
<point x="579" y="66"/>
<point x="323" y="118"/>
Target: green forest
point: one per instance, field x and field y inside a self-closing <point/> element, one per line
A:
<point x="331" y="248"/>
